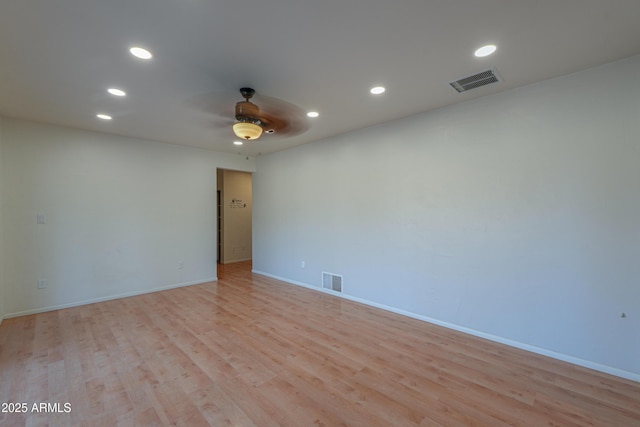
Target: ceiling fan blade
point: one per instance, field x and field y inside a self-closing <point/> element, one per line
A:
<point x="284" y="118"/>
<point x="280" y="118"/>
<point x="218" y="103"/>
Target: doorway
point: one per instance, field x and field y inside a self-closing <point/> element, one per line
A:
<point x="234" y="211"/>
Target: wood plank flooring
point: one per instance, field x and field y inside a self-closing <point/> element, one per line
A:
<point x="251" y="351"/>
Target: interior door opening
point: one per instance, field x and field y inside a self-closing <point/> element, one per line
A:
<point x="234" y="211"/>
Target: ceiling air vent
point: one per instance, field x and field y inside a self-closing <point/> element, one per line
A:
<point x="481" y="79"/>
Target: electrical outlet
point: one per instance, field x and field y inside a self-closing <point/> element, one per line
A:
<point x="180" y="265"/>
<point x="42" y="284"/>
<point x="40" y="219"/>
<point x="303" y="264"/>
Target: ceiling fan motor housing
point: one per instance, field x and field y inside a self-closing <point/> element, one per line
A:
<point x="248" y="112"/>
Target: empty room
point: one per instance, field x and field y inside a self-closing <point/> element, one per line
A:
<point x="297" y="213"/>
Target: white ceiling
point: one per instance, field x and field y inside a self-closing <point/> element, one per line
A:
<point x="58" y="57"/>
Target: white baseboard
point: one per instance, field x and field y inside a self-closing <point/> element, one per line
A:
<point x="108" y="298"/>
<point x="559" y="356"/>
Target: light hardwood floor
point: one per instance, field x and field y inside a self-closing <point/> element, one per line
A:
<point x="251" y="351"/>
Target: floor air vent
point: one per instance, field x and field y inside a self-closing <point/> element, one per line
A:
<point x="481" y="79"/>
<point x="332" y="282"/>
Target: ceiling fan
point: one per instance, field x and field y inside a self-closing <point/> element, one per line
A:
<point x="276" y="117"/>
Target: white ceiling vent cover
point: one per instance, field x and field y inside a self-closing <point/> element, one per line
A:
<point x="332" y="282"/>
<point x="477" y="80"/>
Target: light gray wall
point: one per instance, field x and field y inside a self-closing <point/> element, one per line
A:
<point x="120" y="215"/>
<point x="513" y="216"/>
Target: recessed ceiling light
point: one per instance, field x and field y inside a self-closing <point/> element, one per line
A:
<point x="116" y="92"/>
<point x="140" y="53"/>
<point x="313" y="114"/>
<point x="237" y="143"/>
<point x="377" y="90"/>
<point x="104" y="116"/>
<point x="485" y="50"/>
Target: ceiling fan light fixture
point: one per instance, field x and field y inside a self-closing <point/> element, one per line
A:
<point x="247" y="130"/>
